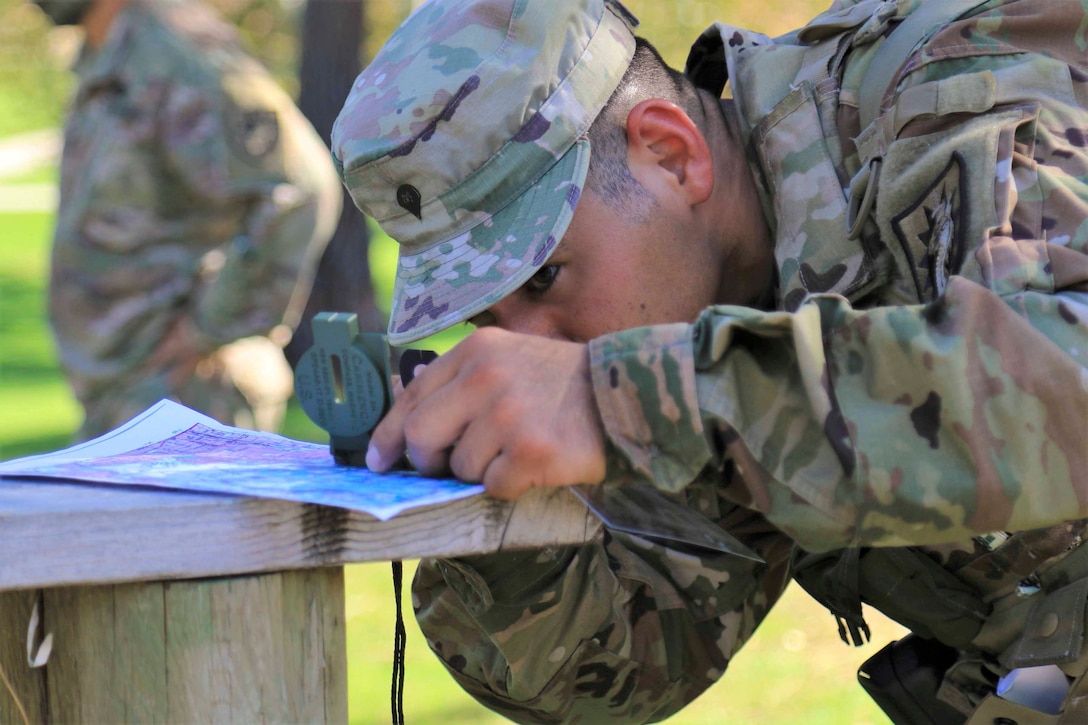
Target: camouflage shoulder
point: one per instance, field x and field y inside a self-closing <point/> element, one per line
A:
<point x="260" y="122"/>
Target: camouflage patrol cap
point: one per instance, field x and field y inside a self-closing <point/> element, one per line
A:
<point x="464" y="140"/>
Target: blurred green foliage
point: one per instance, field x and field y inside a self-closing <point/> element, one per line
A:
<point x="34" y="56"/>
<point x="33" y="90"/>
<point x="672" y="25"/>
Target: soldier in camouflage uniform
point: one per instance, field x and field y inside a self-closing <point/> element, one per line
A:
<point x="195" y="202"/>
<point x="841" y="313"/>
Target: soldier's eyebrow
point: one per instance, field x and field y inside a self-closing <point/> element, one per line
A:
<point x="561" y="247"/>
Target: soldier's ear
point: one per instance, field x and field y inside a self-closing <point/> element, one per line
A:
<point x="667" y="152"/>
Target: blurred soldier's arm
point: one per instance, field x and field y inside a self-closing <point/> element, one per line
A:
<point x="247" y="151"/>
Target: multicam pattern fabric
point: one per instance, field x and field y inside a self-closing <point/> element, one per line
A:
<point x="923" y="382"/>
<point x="475" y="226"/>
<point x="191" y="189"/>
<point x="628" y="629"/>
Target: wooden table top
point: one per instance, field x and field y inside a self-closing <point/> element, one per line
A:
<point x="63" y="534"/>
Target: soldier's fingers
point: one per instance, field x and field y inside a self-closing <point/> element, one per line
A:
<point x="504" y="480"/>
<point x="525" y="463"/>
<point x="388" y="442"/>
<point x="477" y="447"/>
<point x="440" y="421"/>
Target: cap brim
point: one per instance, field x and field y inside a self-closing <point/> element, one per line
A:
<point x="461" y="277"/>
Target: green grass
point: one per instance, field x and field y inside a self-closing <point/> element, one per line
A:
<point x="38" y="411"/>
<point x="19" y="114"/>
<point x="47" y="175"/>
<point x="794" y="671"/>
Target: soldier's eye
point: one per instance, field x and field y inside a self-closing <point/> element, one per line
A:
<point x="543" y="280"/>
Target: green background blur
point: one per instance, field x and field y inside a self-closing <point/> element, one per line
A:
<point x="794" y="671"/>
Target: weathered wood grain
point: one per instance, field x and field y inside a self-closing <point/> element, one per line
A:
<point x="28" y="684"/>
<point x="248" y="649"/>
<point x="59" y="534"/>
<point x="142" y="630"/>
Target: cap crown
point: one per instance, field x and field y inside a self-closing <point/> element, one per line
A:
<point x="466" y="107"/>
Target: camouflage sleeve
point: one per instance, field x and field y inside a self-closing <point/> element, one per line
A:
<point x="245" y="150"/>
<point x="897" y="425"/>
<point x="624" y="629"/>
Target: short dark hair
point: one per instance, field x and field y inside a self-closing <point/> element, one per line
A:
<point x="648" y="76"/>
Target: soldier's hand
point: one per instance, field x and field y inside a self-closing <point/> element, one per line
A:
<point x="177" y="353"/>
<point x="509" y="410"/>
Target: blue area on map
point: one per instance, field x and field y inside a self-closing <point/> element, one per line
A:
<point x="236" y="461"/>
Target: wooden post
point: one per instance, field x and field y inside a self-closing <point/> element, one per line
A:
<point x="247" y="649"/>
<point x="28" y="684"/>
<point x="177" y="607"/>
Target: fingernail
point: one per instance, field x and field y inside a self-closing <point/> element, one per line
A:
<point x="374" y="459"/>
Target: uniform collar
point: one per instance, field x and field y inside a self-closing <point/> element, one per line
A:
<point x="721" y="54"/>
<point x="717" y="56"/>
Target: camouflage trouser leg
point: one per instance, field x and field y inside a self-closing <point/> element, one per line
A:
<point x="245" y="384"/>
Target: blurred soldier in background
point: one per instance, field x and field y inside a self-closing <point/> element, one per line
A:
<point x="195" y="202"/>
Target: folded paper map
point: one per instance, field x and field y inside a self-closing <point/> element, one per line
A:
<point x="171" y="446"/>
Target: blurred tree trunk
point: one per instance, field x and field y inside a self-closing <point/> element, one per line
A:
<point x="332" y="34"/>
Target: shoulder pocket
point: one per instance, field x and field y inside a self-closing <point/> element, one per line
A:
<point x="810" y="202"/>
